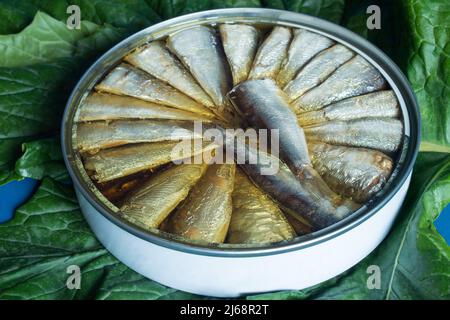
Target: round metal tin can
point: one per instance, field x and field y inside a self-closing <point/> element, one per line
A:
<point x="221" y="270"/>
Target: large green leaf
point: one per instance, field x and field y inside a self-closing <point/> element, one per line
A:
<point x="427" y="40"/>
<point x="31" y="105"/>
<point x="14" y="16"/>
<point x="172" y="8"/>
<point x="42" y="158"/>
<point x="131" y="15"/>
<point x="49" y="234"/>
<point x="331" y="10"/>
<point x="328" y="9"/>
<point x="45" y="39"/>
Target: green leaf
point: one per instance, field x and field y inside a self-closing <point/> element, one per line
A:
<point x="167" y="9"/>
<point x="8" y="174"/>
<point x="45" y="39"/>
<point x="48" y="225"/>
<point x="31" y="105"/>
<point x="131" y="15"/>
<point x="14" y="16"/>
<point x="414" y="258"/>
<point x="42" y="158"/>
<point x="123" y="283"/>
<point x="47" y="278"/>
<point x="328" y="9"/>
<point x="32" y="97"/>
<point x="95" y="43"/>
<point x="49" y="234"/>
<point x="331" y="10"/>
<point x="427" y="40"/>
<point x="355" y="17"/>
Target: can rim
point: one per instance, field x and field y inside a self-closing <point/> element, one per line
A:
<point x="390" y="70"/>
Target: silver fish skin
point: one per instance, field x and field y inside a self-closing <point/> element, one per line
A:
<point x="384" y="134"/>
<point x="201" y="51"/>
<point x="240" y="42"/>
<point x="380" y="104"/>
<point x="256" y="218"/>
<point x="92" y="137"/>
<point x="102" y="106"/>
<point x="264" y="105"/>
<point x="317" y="70"/>
<point x="304" y="46"/>
<point x="148" y="205"/>
<point x="271" y="54"/>
<point x="118" y="162"/>
<point x="285" y="188"/>
<point x="355" y="77"/>
<point x="357" y="173"/>
<point x="131" y="81"/>
<point x="205" y="215"/>
<point x="158" y="61"/>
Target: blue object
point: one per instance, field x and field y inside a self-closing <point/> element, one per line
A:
<point x="442" y="224"/>
<point x="13" y="194"/>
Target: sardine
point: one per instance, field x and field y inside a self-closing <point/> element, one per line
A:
<point x="355" y="77"/>
<point x="240" y="42"/>
<point x="201" y="51"/>
<point x="271" y="54"/>
<point x="151" y="203"/>
<point x="206" y="212"/>
<point x="116" y="190"/>
<point x="264" y="105"/>
<point x="304" y="46"/>
<point x="113" y="163"/>
<point x="256" y="218"/>
<point x="358" y="173"/>
<point x="130" y="81"/>
<point x="158" y="61"/>
<point x="299" y="226"/>
<point x="94" y="136"/>
<point x="284" y="187"/>
<point x="102" y="106"/>
<point x="317" y="70"/>
<point x="384" y="134"/>
<point x="381" y="104"/>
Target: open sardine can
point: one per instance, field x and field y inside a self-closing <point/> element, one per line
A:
<point x="111" y="145"/>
